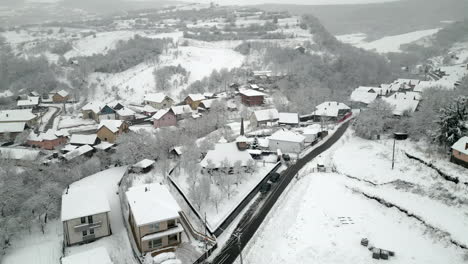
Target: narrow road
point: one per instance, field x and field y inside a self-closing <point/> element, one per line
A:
<point x="50" y="121"/>
<point x="246" y="230"/>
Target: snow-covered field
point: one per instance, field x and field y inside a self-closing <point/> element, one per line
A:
<point x="386" y="44"/>
<point x="321" y="218"/>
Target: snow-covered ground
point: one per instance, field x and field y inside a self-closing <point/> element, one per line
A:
<point x="296" y="2"/>
<point x="386" y="44"/>
<point x="320" y="218"/>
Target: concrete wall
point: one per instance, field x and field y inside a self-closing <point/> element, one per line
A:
<point x="74" y="237"/>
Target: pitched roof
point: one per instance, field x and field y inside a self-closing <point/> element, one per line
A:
<point x="363" y="96"/>
<point x="181" y="109"/>
<point x="16" y="115"/>
<point x="266" y="115"/>
<point x="208" y="103"/>
<point x="286" y="135"/>
<point x="143" y="163"/>
<point x="152" y="203"/>
<point x="62" y="93"/>
<point x="93" y="106"/>
<point x="402" y="102"/>
<point x="156" y="97"/>
<point x="112" y="125"/>
<point x="289" y="118"/>
<point x="30" y="101"/>
<point x="149" y="109"/>
<point x="228" y="152"/>
<point x="49" y="135"/>
<point x="104" y="145"/>
<point x="83" y="201"/>
<point x="461" y="145"/>
<point x="249" y="92"/>
<point x="13" y="127"/>
<point x="77" y="152"/>
<point x="330" y="109"/>
<point x="197" y="97"/>
<point x="81" y="139"/>
<point x="160" y="114"/>
<point x="125" y="112"/>
<point x="93" y="256"/>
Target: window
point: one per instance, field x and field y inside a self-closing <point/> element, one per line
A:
<point x="85" y="233"/>
<point x="172" y="239"/>
<point x="83" y="220"/>
<point x="171" y="223"/>
<point x="155" y="243"/>
<point x="90" y="219"/>
<point x="91" y="231"/>
<point x="154" y="227"/>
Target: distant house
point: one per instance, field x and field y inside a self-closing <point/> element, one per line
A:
<point x="206" y="104"/>
<point x="286" y="141"/>
<point x="126" y="114"/>
<point x="85" y="215"/>
<point x="92" y="256"/>
<point x="143" y="166"/>
<point x="109" y="130"/>
<point x="164" y="118"/>
<point x="107" y="113"/>
<point x="460" y="152"/>
<point x="182" y="111"/>
<point x="116" y="105"/>
<point x="28" y="103"/>
<point x="81" y="151"/>
<point x="154" y="218"/>
<point x="194" y="100"/>
<point x="18" y="116"/>
<point x="92" y="110"/>
<point x="158" y="100"/>
<point x="300" y="49"/>
<point x="363" y="97"/>
<point x="9" y="131"/>
<point x="330" y="111"/>
<point x="264" y="117"/>
<point x="289" y="119"/>
<point x="148" y="110"/>
<point x="60" y="96"/>
<point x="311" y="133"/>
<point x="225" y="152"/>
<point x="48" y="140"/>
<point x="252" y="97"/>
<point x="80" y="140"/>
<point x="403" y="102"/>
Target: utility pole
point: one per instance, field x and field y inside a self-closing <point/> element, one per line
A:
<point x="393" y="154"/>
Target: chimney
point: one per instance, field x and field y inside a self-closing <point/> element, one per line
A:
<point x="242" y="127"/>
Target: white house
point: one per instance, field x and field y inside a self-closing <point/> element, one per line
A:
<point x="81" y="139"/>
<point x="85" y="214"/>
<point x="403" y="102"/>
<point x="290" y="119"/>
<point x="225" y="152"/>
<point x="331" y="110"/>
<point x="264" y="117"/>
<point x="311" y="132"/>
<point x="28" y="103"/>
<point x="286" y="141"/>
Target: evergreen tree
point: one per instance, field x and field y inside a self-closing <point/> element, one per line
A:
<point x="452" y="122"/>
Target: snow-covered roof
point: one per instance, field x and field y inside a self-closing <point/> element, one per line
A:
<point x="226" y="152"/>
<point x="77" y="152"/>
<point x="93" y="106"/>
<point x="289" y="118"/>
<point x="402" y="102"/>
<point x="330" y="109"/>
<point x="112" y="125"/>
<point x="125" y="112"/>
<point x="155" y="97"/>
<point x="152" y="203"/>
<point x="181" y="109"/>
<point x="208" y="103"/>
<point x="266" y="114"/>
<point x="16" y="115"/>
<point x="97" y="255"/>
<point x="69" y="147"/>
<point x="49" y="135"/>
<point x="149" y="109"/>
<point x="286" y="135"/>
<point x="160" y="114"/>
<point x="144" y="164"/>
<point x="62" y="93"/>
<point x="177" y="150"/>
<point x="242" y="139"/>
<point x="250" y="92"/>
<point x="81" y="201"/>
<point x="207" y="94"/>
<point x="363" y="96"/>
<point x="197" y="97"/>
<point x="461" y="145"/>
<point x="81" y="139"/>
<point x="19" y="154"/>
<point x="254" y="86"/>
<point x="104" y="145"/>
<point x="312" y="129"/>
<point x="30" y="101"/>
<point x="13" y="127"/>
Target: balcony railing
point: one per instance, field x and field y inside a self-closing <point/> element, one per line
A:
<point x="87" y="226"/>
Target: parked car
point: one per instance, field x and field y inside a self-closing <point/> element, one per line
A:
<point x="265" y="188"/>
<point x="274" y="177"/>
<point x="286" y="157"/>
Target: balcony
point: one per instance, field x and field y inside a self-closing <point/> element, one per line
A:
<point x="87" y="226"/>
<point x="89" y="237"/>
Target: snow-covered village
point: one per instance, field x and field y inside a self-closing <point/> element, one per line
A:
<point x="251" y="132"/>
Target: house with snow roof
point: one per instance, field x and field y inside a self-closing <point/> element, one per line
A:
<point x="125" y="114"/>
<point x="81" y="151"/>
<point x="109" y="130"/>
<point x="252" y="97"/>
<point x="164" y="118"/>
<point x="286" y="141"/>
<point x="9" y="131"/>
<point x="264" y="117"/>
<point x="31" y="102"/>
<point x="330" y="111"/>
<point x="60" y="96"/>
<point x="18" y="116"/>
<point x="460" y="152"/>
<point x="154" y="218"/>
<point x="403" y="102"/>
<point x="289" y="119"/>
<point x="194" y="100"/>
<point x="226" y="154"/>
<point x="158" y="100"/>
<point x="82" y="139"/>
<point x="48" y="140"/>
<point x="85" y="215"/>
<point x="311" y="133"/>
<point x="91" y="110"/>
<point x="363" y="97"/>
<point x="97" y="255"/>
<point x="182" y="111"/>
<point x="143" y="166"/>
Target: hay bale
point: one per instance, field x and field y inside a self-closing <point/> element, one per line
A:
<point x="376" y="253"/>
